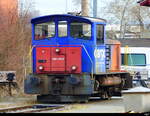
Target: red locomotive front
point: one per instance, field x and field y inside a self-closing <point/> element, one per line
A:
<point x="58" y="60"/>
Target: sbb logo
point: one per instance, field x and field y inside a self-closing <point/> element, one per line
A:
<point x="99" y="53"/>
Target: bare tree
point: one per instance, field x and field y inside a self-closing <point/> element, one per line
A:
<point x="122" y="32"/>
<point x="126" y="13"/>
<point x="85" y="5"/>
<point x="15" y="37"/>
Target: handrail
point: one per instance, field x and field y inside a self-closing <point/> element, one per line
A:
<point x="90" y="60"/>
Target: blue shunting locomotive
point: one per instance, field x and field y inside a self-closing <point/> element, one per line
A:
<point x="73" y="60"/>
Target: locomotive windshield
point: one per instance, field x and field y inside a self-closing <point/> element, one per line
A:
<point x="80" y="30"/>
<point x="62" y="28"/>
<point x="44" y="30"/>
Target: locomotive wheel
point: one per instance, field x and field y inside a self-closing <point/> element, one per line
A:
<point x="105" y="96"/>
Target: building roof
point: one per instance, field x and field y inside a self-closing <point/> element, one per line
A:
<point x="135" y="42"/>
<point x="96" y="19"/>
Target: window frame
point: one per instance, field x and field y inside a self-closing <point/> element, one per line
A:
<point x="122" y="60"/>
<point x="57" y="25"/>
<point x="82" y="22"/>
<point x="52" y="22"/>
<point x="98" y="39"/>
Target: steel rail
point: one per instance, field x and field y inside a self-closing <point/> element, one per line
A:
<point x="15" y="108"/>
<point x="41" y="109"/>
<point x="28" y="109"/>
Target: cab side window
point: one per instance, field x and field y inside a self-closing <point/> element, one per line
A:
<point x="100" y="34"/>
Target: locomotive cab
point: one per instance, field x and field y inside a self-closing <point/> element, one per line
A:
<point x="70" y="31"/>
<point x="72" y="60"/>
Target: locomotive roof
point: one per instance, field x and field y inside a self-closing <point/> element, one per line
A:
<point x="95" y="19"/>
<point x="89" y="19"/>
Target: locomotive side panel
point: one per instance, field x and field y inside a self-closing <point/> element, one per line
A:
<point x="100" y="59"/>
<point x="116" y="59"/>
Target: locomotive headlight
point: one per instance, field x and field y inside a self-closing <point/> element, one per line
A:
<point x="57" y="50"/>
<point x="41" y="67"/>
<point x="74" y="68"/>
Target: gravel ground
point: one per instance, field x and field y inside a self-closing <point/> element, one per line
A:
<point x="115" y="105"/>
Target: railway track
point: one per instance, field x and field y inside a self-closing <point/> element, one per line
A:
<point x="36" y="108"/>
<point x="31" y="108"/>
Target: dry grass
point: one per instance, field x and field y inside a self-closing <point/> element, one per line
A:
<point x="17" y="101"/>
<point x="16" y="92"/>
<point x="15" y="40"/>
<point x="18" y="98"/>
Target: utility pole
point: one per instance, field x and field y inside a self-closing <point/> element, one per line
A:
<point x="95" y="8"/>
<point x="85" y="7"/>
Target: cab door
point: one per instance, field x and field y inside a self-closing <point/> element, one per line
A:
<point x="100" y="50"/>
<point x="99" y="34"/>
